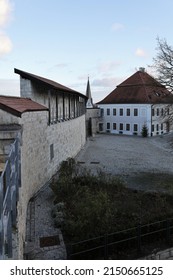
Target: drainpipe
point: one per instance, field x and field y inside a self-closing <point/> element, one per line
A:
<point x="151" y="117"/>
<point x="49" y="106"/>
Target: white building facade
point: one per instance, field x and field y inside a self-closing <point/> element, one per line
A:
<point x="129" y="119"/>
<point x="135" y="104"/>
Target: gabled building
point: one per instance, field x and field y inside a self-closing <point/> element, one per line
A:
<point x="139" y="100"/>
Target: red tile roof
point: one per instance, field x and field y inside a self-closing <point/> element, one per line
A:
<point x="49" y="84"/>
<point x="139" y="88"/>
<point x="17" y="105"/>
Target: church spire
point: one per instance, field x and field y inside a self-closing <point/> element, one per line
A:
<point x="88" y="94"/>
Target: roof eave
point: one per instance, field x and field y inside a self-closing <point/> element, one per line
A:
<point x="10" y="110"/>
<point x="35" y="78"/>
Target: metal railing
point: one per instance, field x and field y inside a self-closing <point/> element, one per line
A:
<point x="119" y="244"/>
<point x="9" y="195"/>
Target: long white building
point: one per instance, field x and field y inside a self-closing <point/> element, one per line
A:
<point x="139" y="100"/>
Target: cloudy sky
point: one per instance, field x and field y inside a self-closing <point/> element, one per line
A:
<point x="69" y="40"/>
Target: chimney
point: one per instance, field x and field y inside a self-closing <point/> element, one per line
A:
<point x="142" y="69"/>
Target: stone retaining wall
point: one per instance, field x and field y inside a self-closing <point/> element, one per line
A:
<point x="161" y="255"/>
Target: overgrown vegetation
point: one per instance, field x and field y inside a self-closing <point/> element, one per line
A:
<point x="87" y="206"/>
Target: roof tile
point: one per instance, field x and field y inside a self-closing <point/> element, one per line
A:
<point x="139" y="88"/>
<point x="18" y="105"/>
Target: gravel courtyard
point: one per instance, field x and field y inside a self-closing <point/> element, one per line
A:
<point x="143" y="163"/>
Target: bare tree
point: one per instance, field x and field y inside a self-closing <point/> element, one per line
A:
<point x="163" y="63"/>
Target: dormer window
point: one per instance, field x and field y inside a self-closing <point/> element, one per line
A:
<point x="157" y="94"/>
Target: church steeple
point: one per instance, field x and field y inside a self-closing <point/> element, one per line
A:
<point x="88" y="94"/>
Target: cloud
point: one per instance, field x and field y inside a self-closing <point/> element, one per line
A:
<point x="117" y="26"/>
<point x="106" y="82"/>
<point x="5" y="44"/>
<point x="84" y="77"/>
<point x="108" y="66"/>
<point x="5" y="17"/>
<point x="60" y="65"/>
<point x="5" y="12"/>
<point x="140" y="52"/>
<point x="9" y="87"/>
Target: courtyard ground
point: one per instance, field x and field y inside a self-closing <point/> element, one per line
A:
<point x="143" y="163"/>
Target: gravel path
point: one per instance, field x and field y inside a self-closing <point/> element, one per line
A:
<point x="135" y="159"/>
<point x="40" y="225"/>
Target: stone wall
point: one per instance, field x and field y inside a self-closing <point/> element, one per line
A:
<point x="10" y="129"/>
<point x="92" y="121"/>
<point x="6" y="118"/>
<point x="43" y="148"/>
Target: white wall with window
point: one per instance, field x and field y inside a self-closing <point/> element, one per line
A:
<point x="129" y="118"/>
<point x="125" y="118"/>
<point x="162" y="118"/>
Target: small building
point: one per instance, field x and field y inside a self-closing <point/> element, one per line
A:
<point x="92" y="113"/>
<point x="139" y="100"/>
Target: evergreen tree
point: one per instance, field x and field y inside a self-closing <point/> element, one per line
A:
<point x="144" y="131"/>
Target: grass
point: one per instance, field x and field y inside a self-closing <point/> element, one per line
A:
<point x="94" y="205"/>
<point x="152" y="181"/>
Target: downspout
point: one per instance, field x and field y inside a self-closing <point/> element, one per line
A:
<point x="49" y="106"/>
<point x="63" y="106"/>
<point x="151" y="118"/>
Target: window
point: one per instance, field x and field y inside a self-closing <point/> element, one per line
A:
<point x="135" y="112"/>
<point x="157" y="127"/>
<point x="121" y="112"/>
<point x="114" y="112"/>
<point x="102" y="112"/>
<point x="152" y="127"/>
<point x="152" y="112"/>
<point x="127" y="126"/>
<point x="121" y="126"/>
<point x="114" y="126"/>
<point x="108" y="112"/>
<point x="162" y="112"/>
<point x="108" y="125"/>
<point x="135" y="128"/>
<point x="161" y="126"/>
<point x="157" y="111"/>
<point x="128" y="112"/>
<point x="51" y="151"/>
<point x="100" y="126"/>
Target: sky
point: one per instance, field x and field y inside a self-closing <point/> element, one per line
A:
<point x="70" y="40"/>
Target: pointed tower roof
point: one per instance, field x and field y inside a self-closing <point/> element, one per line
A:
<point x="138" y="88"/>
<point x="88" y="94"/>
